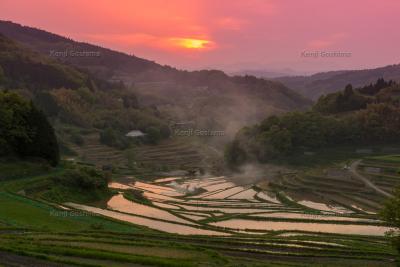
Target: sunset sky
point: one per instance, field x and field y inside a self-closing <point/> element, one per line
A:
<point x="226" y="34"/>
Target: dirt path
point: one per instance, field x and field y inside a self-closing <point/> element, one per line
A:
<point x="353" y="170"/>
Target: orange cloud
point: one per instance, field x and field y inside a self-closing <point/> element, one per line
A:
<point x="148" y="40"/>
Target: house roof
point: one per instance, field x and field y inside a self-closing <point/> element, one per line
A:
<point x="135" y="133"/>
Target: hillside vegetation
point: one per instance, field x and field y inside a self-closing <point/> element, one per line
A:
<point x="210" y="98"/>
<point x="72" y="98"/>
<point x="25" y="131"/>
<point x="365" y="116"/>
<point x="22" y="68"/>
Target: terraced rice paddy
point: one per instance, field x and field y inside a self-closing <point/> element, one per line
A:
<point x="228" y="209"/>
<point x="164" y="226"/>
<point x="300" y="226"/>
<point x="152" y="249"/>
<point x="179" y="226"/>
<point x="323" y="207"/>
<point x="383" y="172"/>
<point x="94" y="152"/>
<point x="332" y="190"/>
<point x="292" y="215"/>
<point x="169" y="154"/>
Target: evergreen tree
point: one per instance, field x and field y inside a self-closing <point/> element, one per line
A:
<point x="44" y="142"/>
<point x="25" y="131"/>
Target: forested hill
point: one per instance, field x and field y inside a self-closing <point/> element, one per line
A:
<point x="209" y="97"/>
<point x="106" y="64"/>
<point x="72" y="97"/>
<point x="329" y="82"/>
<point x="364" y="116"/>
<point x="22" y="68"/>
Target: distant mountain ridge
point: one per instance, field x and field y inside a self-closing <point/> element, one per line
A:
<point x="268" y="73"/>
<point x="329" y="82"/>
<point x="209" y="97"/>
<point x="46" y="42"/>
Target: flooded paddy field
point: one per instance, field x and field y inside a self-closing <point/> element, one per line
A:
<point x="251" y="227"/>
<point x="218" y="206"/>
<point x="309" y="227"/>
<point x="332" y="190"/>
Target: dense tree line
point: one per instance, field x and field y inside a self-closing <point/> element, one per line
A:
<point x="375" y="122"/>
<point x="352" y="99"/>
<point x="345" y="101"/>
<point x="373" y="89"/>
<point x="25" y="130"/>
<point x="85" y="178"/>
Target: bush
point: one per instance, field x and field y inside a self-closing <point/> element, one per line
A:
<point x="153" y="135"/>
<point x="108" y="137"/>
<point x="66" y="150"/>
<point x="391" y="214"/>
<point x="136" y="196"/>
<point x="77" y="139"/>
<point x="114" y="138"/>
<point x="84" y="178"/>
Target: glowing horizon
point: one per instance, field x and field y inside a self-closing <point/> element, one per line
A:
<point x="231" y="35"/>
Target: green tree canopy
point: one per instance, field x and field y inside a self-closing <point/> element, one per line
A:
<point x="391" y="214"/>
<point x="153" y="135"/>
<point x="25" y="130"/>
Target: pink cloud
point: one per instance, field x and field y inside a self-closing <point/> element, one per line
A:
<point x="264" y="32"/>
<point x="328" y="41"/>
<point x="230" y="23"/>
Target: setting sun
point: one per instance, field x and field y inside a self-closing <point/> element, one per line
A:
<point x="190" y="43"/>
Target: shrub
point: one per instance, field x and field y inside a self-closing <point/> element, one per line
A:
<point x="77" y="139"/>
<point x="84" y="178"/>
<point x="108" y="137"/>
<point x="153" y="135"/>
<point x="391" y="214"/>
<point x="114" y="138"/>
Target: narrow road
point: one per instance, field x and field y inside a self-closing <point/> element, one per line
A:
<point x="368" y="183"/>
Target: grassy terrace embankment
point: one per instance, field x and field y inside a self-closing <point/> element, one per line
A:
<point x="145" y="159"/>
